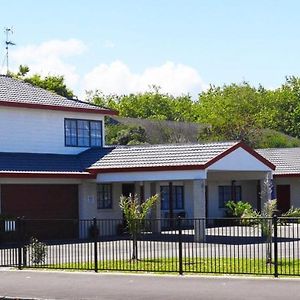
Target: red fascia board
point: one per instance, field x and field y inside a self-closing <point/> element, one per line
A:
<point x="59" y="108"/>
<point x="45" y="175"/>
<point x="146" y="169"/>
<point x="287" y="175"/>
<point x="247" y="149"/>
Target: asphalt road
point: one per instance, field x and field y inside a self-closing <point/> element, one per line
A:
<point x="73" y="285"/>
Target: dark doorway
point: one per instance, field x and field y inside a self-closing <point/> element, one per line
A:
<point x="128" y="189"/>
<point x="283" y="198"/>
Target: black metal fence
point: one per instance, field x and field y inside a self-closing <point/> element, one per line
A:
<point x="263" y="246"/>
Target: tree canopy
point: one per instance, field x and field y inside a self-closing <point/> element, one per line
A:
<point x="52" y="83"/>
<point x="258" y="116"/>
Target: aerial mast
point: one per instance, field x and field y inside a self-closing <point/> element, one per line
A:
<point x="8" y="31"/>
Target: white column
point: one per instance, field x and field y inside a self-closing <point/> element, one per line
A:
<point x="266" y="188"/>
<point x="156" y="211"/>
<point x="199" y="210"/>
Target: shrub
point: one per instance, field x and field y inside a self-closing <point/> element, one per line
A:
<point x="292" y="213"/>
<point x="37" y="250"/>
<point x="237" y="209"/>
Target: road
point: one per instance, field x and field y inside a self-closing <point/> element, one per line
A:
<point x="74" y="285"/>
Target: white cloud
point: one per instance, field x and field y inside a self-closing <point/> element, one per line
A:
<point x="109" y="44"/>
<point x="48" y="58"/>
<point x="117" y="78"/>
<point x="52" y="57"/>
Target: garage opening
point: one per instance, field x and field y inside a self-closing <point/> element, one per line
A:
<point x="41" y="206"/>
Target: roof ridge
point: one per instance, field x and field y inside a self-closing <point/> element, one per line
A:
<point x="176" y="144"/>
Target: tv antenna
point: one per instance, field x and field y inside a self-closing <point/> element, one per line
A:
<point x="8" y="31"/>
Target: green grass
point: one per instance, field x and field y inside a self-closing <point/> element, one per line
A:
<point x="197" y="265"/>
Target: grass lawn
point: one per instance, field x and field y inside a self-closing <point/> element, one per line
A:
<point x="196" y="265"/>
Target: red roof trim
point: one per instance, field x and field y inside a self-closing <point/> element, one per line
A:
<point x="59" y="108"/>
<point x="247" y="149"/>
<point x="44" y="175"/>
<point x="138" y="169"/>
<point x="287" y="175"/>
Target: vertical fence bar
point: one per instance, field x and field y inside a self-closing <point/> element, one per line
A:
<point x="19" y="243"/>
<point x="95" y="244"/>
<point x="180" y="246"/>
<point x="275" y="223"/>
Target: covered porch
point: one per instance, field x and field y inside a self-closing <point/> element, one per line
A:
<point x="196" y="191"/>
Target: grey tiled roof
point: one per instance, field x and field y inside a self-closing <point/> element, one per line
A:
<point x="17" y="91"/>
<point x="50" y="163"/>
<point x="286" y="160"/>
<point x="162" y="155"/>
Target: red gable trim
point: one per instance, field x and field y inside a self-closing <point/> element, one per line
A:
<point x="141" y="169"/>
<point x="59" y="108"/>
<point x="247" y="149"/>
<point x="44" y="175"/>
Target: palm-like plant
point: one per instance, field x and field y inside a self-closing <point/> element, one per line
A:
<point x="135" y="215"/>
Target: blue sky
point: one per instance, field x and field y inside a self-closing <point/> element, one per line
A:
<point x="183" y="46"/>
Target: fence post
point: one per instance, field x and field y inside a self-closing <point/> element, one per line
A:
<point x="275" y="223"/>
<point x="180" y="245"/>
<point x="19" y="232"/>
<point x="95" y="244"/>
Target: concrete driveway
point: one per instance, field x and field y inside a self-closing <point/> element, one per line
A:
<point x="73" y="285"/>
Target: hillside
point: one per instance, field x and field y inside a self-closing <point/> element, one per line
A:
<point x="122" y="130"/>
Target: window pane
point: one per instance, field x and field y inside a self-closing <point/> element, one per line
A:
<point x="83" y="129"/>
<point x="164" y="190"/>
<point x="104" y="196"/>
<point x="70" y="132"/>
<point x="96" y="134"/>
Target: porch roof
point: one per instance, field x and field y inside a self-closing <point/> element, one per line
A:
<point x="168" y="157"/>
<point x="287" y="160"/>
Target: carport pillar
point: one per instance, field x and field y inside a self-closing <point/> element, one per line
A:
<point x="199" y="210"/>
<point x="156" y="211"/>
<point x="266" y="186"/>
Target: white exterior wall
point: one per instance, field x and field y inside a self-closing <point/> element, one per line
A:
<point x="37" y="130"/>
<point x="249" y="194"/>
<point x="294" y="183"/>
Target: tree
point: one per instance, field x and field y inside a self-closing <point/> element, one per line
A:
<point x="232" y="112"/>
<point x="52" y="83"/>
<point x="125" y="135"/>
<point x="135" y="215"/>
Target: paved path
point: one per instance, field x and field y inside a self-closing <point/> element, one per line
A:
<point x="73" y="285"/>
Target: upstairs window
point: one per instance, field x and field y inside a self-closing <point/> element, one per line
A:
<point x="83" y="133"/>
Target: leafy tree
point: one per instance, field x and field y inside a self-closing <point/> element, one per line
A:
<point x="125" y="135"/>
<point x="231" y="111"/>
<point x="135" y="214"/>
<point x="52" y="83"/>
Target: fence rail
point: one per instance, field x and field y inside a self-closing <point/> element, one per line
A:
<point x="262" y="246"/>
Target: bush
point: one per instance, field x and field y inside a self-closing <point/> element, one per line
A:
<point x="292" y="213"/>
<point x="237" y="209"/>
<point x="37" y="250"/>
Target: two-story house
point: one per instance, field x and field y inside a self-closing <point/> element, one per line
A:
<point x="54" y="164"/>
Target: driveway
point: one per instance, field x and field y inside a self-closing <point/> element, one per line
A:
<point x="73" y="285"/>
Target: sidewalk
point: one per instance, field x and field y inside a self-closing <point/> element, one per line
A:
<point x="75" y="285"/>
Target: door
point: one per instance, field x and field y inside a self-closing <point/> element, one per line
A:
<point x="283" y="198"/>
<point x="42" y="205"/>
<point x="128" y="189"/>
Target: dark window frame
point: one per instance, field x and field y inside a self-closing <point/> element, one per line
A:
<point x="221" y="194"/>
<point x="175" y="199"/>
<point x="90" y="135"/>
<point x="101" y="196"/>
